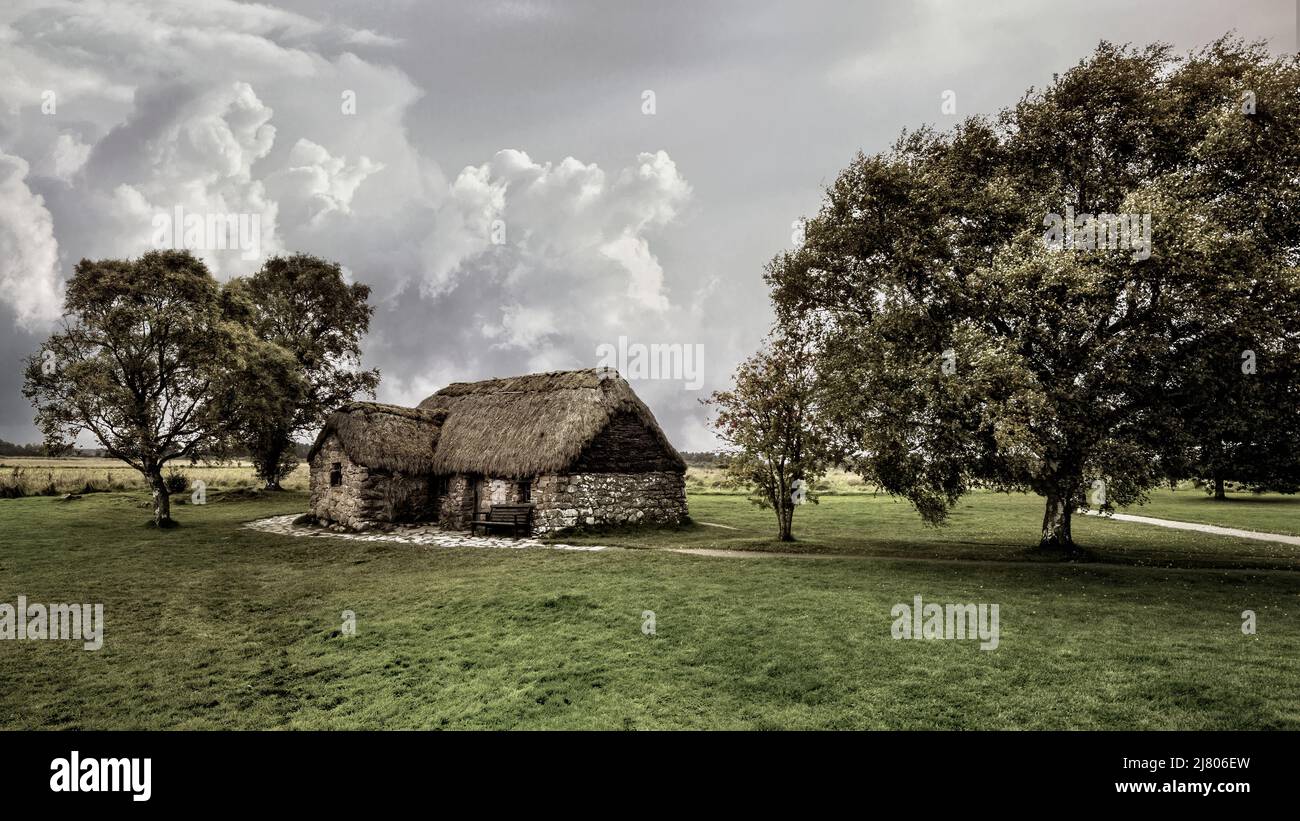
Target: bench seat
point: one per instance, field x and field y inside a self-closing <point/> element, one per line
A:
<point x="516" y="518"/>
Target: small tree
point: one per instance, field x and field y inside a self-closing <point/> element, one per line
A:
<point x="138" y="364"/>
<point x="302" y="304"/>
<point x="772" y="421"/>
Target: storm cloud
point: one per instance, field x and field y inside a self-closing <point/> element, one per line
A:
<point x="492" y="169"/>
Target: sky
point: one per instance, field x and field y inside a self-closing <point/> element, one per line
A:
<point x="525" y="185"/>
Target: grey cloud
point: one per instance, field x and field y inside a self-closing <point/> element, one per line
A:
<point x="758" y="106"/>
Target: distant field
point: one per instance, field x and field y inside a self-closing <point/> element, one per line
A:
<point x="37" y="476"/>
<point x="713" y="480"/>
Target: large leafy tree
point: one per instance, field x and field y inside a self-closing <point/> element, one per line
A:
<point x="303" y="305"/>
<point x="772" y="421"/>
<point x="142" y="363"/>
<point x="965" y="350"/>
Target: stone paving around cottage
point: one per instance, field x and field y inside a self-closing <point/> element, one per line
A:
<point x="424" y="535"/>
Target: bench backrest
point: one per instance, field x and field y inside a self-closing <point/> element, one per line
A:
<point x="510" y="513"/>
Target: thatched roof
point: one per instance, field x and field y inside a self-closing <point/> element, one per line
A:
<point x="385" y="437"/>
<point x="525" y="425"/>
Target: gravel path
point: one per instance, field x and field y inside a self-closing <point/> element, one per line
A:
<point x="1200" y="528"/>
<point x="424" y="535"/>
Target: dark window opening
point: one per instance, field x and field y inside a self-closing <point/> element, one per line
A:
<point x="439" y="487"/>
<point x="525" y="491"/>
<point x="336" y="474"/>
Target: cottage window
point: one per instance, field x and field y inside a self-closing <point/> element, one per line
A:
<point x="439" y="487"/>
<point x="525" y="491"/>
<point x="336" y="474"/>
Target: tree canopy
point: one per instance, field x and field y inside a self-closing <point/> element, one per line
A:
<point x="773" y="422"/>
<point x="142" y="363"/>
<point x="159" y="363"/>
<point x="302" y="305"/>
<point x="1000" y="314"/>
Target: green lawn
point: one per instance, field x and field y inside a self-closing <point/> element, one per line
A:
<point x="985" y="525"/>
<point x="211" y="626"/>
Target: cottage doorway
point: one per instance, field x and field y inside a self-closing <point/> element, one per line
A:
<point x="479" y="492"/>
<point x="439" y="486"/>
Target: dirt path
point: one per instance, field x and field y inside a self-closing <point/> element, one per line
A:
<point x="1200" y="528"/>
<point x="1141" y="568"/>
<point x="763" y="554"/>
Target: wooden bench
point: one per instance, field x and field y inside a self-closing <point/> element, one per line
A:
<point x="515" y="518"/>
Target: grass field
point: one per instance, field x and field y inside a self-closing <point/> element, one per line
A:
<point x="216" y="626"/>
<point x="989" y="526"/>
<point x="30" y="476"/>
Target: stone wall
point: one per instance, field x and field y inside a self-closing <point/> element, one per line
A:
<point x="585" y="499"/>
<point x="499" y="492"/>
<point x="365" y="496"/>
<point x="342" y="503"/>
<point x="626" y="445"/>
<point x="590" y="499"/>
<point x="457" y="508"/>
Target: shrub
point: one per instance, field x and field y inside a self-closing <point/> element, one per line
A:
<point x="176" y="481"/>
<point x="11" y="486"/>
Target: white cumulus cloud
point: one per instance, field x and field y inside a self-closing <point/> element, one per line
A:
<point x="29" y="254"/>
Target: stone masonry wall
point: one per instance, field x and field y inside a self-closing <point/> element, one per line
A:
<point x="626" y="445"/>
<point x="587" y="499"/>
<point x="364" y="496"/>
<point x="457" y="507"/>
<point x="560" y="501"/>
<point x="396" y="497"/>
<point x="342" y="503"/>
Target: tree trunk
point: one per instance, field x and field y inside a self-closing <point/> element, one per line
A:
<point x="783" y="507"/>
<point x="1219" y="495"/>
<point x="786" y="516"/>
<point x="269" y="457"/>
<point x="162" y="505"/>
<point x="267" y="465"/>
<point x="1056" y="524"/>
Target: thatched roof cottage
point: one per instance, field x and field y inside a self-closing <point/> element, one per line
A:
<point x="373" y="463"/>
<point x="578" y="446"/>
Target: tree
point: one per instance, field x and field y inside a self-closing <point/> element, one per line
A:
<point x="1250" y="433"/>
<point x="138" y="364"/>
<point x="39" y="449"/>
<point x="261" y="388"/>
<point x="969" y="346"/>
<point x="773" y="420"/>
<point x="302" y="304"/>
